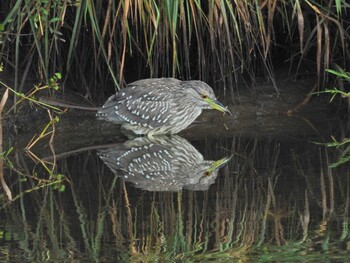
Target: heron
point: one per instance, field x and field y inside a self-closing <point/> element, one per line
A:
<point x="159" y="105"/>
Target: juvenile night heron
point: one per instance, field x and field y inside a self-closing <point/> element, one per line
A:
<point x="162" y="164"/>
<point x="159" y="106"/>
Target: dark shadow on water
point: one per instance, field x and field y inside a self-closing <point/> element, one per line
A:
<point x="276" y="198"/>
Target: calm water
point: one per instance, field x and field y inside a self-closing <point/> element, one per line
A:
<point x="275" y="200"/>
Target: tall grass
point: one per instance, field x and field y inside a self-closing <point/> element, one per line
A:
<point x="94" y="43"/>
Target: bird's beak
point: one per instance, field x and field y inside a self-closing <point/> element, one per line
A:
<point x="217" y="105"/>
<point x="220" y="163"/>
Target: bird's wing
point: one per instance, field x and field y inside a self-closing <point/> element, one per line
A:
<point x="149" y="166"/>
<point x="142" y="103"/>
<point x="144" y="89"/>
<point x="144" y="159"/>
<point x="148" y="113"/>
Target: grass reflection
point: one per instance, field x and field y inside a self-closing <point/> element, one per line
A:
<point x="275" y="199"/>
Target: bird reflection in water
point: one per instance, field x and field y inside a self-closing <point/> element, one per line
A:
<point x="162" y="164"/>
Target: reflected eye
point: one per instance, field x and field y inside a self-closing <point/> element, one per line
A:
<point x="204" y="96"/>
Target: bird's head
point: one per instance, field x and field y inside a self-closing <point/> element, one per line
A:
<point x="208" y="171"/>
<point x="203" y="95"/>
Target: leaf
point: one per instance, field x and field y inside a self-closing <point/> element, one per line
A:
<point x="62" y="188"/>
<point x="58" y="75"/>
<point x="54" y="20"/>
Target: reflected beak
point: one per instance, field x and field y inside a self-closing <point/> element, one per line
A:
<point x="220" y="163"/>
<point x="217" y="105"/>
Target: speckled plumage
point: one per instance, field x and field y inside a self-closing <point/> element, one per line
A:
<point x="157" y="106"/>
<point x="160" y="164"/>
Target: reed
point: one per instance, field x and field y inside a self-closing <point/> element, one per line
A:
<point x="94" y="43"/>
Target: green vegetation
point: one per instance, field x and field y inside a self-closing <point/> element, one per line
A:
<point x="94" y="43"/>
<point x="342" y="145"/>
<point x="342" y="76"/>
<point x="55" y="180"/>
<point x="30" y="96"/>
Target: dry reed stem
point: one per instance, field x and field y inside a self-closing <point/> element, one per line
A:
<point x="300" y="18"/>
<point x="129" y="226"/>
<point x="125" y="27"/>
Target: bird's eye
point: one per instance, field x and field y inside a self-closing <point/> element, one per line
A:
<point x="204" y="96"/>
<point x="207" y="173"/>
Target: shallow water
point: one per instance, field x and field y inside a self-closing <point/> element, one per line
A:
<point x="275" y="200"/>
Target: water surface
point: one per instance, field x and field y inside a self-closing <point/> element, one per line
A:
<point x="275" y="200"/>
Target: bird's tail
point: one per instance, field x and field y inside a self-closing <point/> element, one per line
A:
<point x="109" y="114"/>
